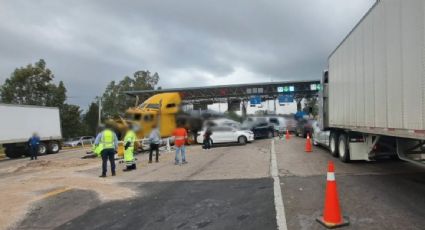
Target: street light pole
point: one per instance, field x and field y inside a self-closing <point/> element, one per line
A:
<point x="99" y="101"/>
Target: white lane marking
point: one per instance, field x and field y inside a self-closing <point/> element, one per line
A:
<point x="278" y="200"/>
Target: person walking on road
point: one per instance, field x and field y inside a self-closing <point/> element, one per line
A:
<point x="207" y="139"/>
<point x="129" y="140"/>
<point x="109" y="141"/>
<point x="154" y="140"/>
<point x="34" y="143"/>
<point x="180" y="137"/>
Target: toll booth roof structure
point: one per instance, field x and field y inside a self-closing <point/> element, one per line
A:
<point x="265" y="90"/>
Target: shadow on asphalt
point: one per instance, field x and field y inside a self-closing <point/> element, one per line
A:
<point x="214" y="204"/>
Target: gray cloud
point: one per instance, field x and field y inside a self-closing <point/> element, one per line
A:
<point x="190" y="43"/>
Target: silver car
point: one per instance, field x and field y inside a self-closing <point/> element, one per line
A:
<point x="79" y="141"/>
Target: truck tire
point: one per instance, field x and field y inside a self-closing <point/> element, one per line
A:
<point x="343" y="149"/>
<point x="53" y="147"/>
<point x="42" y="149"/>
<point x="333" y="144"/>
<point x="12" y="153"/>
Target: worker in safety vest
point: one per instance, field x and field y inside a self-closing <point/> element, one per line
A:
<point x="109" y="145"/>
<point x="129" y="140"/>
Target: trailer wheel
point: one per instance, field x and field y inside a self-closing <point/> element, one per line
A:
<point x="53" y="147"/>
<point x="333" y="144"/>
<point x="42" y="149"/>
<point x="344" y="154"/>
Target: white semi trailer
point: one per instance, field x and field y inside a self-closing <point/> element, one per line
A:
<point x="373" y="97"/>
<point x="19" y="122"/>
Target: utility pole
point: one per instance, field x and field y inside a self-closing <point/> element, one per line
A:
<point x="99" y="113"/>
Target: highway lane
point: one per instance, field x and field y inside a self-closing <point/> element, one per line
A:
<point x="385" y="194"/>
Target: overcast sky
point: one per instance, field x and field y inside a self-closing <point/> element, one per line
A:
<point x="188" y="42"/>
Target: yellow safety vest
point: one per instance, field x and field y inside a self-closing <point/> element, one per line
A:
<point x="97" y="149"/>
<point x="107" y="139"/>
<point x="130" y="137"/>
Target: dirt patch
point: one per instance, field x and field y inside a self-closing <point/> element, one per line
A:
<point x="33" y="165"/>
<point x="43" y="164"/>
<point x="26" y="182"/>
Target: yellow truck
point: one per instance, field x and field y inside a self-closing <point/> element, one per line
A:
<point x="162" y="109"/>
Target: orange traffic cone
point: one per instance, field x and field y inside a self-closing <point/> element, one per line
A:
<point x="287" y="136"/>
<point x="308" y="144"/>
<point x="332" y="217"/>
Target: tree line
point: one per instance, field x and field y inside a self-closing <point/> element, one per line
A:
<point x="33" y="84"/>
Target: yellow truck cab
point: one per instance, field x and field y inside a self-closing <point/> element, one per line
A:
<point x="160" y="109"/>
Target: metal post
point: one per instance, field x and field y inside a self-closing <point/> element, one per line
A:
<point x="168" y="145"/>
<point x="99" y="112"/>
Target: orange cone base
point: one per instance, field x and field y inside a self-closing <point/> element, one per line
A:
<point x="345" y="222"/>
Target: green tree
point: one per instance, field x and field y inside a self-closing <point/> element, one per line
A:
<point x="71" y="121"/>
<point x="33" y="85"/>
<point x="91" y="119"/>
<point x="311" y="106"/>
<point x="115" y="102"/>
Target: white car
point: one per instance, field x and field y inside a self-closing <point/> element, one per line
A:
<point x="227" y="134"/>
<point x="85" y="140"/>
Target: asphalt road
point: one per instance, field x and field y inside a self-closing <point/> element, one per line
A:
<point x="385" y="194"/>
<point x="230" y="187"/>
<point x="228" y="204"/>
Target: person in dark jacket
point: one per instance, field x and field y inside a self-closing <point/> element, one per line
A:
<point x="34" y="143"/>
<point x="207" y="139"/>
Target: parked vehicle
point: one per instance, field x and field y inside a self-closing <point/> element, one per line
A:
<point x="227" y="134"/>
<point x="291" y="124"/>
<point x="260" y="127"/>
<point x="279" y="124"/>
<point x="79" y="141"/>
<point x="19" y="122"/>
<point x="373" y="92"/>
<point x="304" y="127"/>
<point x="222" y="122"/>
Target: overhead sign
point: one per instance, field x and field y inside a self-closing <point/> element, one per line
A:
<point x="280" y="89"/>
<point x="255" y="100"/>
<point x="285" y="99"/>
<point x="315" y="86"/>
<point x="286" y="89"/>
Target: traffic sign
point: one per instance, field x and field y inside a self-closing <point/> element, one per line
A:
<point x="285" y="98"/>
<point x="280" y="89"/>
<point x="315" y="87"/>
<point x="255" y="100"/>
